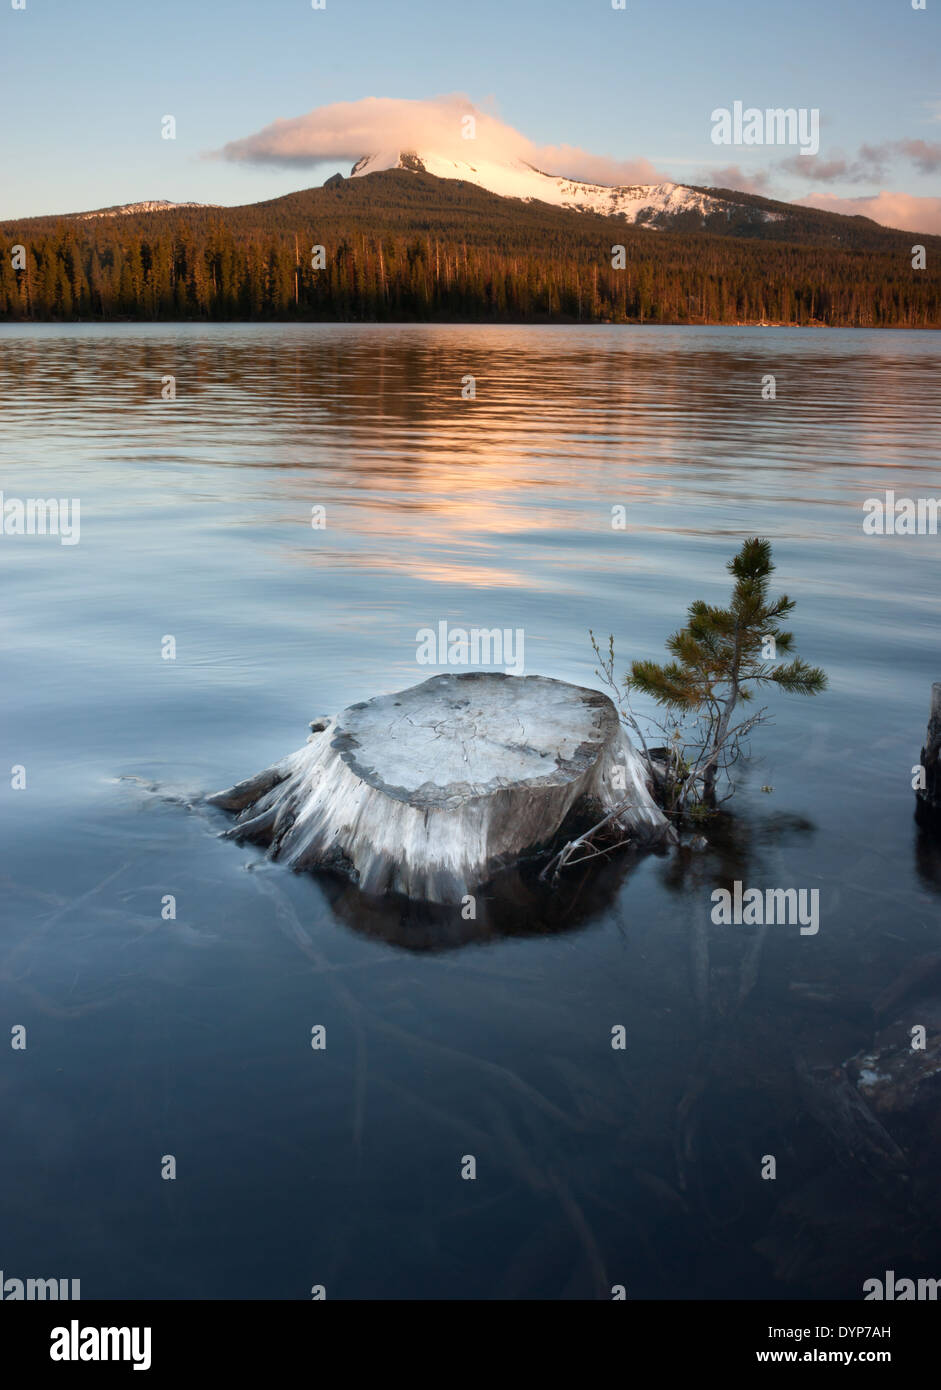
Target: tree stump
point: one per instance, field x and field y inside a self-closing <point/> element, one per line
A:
<point x="928" y="804"/>
<point x="429" y="791"/>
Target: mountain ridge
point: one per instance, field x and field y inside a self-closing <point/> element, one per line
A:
<point x="652" y="205"/>
<point x="659" y="207"/>
<point x="146" y="205"/>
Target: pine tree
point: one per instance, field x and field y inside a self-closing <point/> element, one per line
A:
<point x="721" y="658"/>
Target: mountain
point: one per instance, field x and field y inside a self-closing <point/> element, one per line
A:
<point x="650" y="205"/>
<point x="434" y="193"/>
<point x="402" y="243"/>
<point x="153" y="205"/>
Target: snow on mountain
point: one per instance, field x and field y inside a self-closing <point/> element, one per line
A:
<point x="156" y="205"/>
<point x="644" y="203"/>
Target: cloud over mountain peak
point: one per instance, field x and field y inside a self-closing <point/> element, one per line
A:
<point x="347" y="130"/>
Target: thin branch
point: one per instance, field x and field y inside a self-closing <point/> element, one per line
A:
<point x="565" y="854"/>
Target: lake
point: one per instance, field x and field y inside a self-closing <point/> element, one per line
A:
<point x="153" y="1037"/>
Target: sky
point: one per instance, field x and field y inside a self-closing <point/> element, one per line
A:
<point x="596" y="92"/>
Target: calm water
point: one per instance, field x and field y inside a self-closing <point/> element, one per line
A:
<point x="191" y="1037"/>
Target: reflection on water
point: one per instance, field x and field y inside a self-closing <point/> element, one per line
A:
<point x="515" y="904"/>
<point x="190" y="1034"/>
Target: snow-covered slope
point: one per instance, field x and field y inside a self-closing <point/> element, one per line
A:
<point x="157" y="205"/>
<point x="645" y="203"/>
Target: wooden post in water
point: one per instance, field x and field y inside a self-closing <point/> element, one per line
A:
<point x="928" y="798"/>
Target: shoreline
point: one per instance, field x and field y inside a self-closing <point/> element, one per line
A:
<point x="479" y="322"/>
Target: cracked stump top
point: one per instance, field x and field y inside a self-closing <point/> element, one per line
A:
<point x="460" y="736"/>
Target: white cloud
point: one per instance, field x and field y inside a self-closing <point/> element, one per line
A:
<point x="346" y="130"/>
<point x="902" y="210"/>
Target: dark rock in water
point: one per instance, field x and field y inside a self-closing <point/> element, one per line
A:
<point x="901" y="1072"/>
<point x="928" y="798"/>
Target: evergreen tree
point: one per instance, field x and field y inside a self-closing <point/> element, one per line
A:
<point x="721" y="658"/>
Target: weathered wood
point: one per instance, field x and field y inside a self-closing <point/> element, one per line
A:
<point x="429" y="791"/>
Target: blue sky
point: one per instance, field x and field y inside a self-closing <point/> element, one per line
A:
<point x="83" y="86"/>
